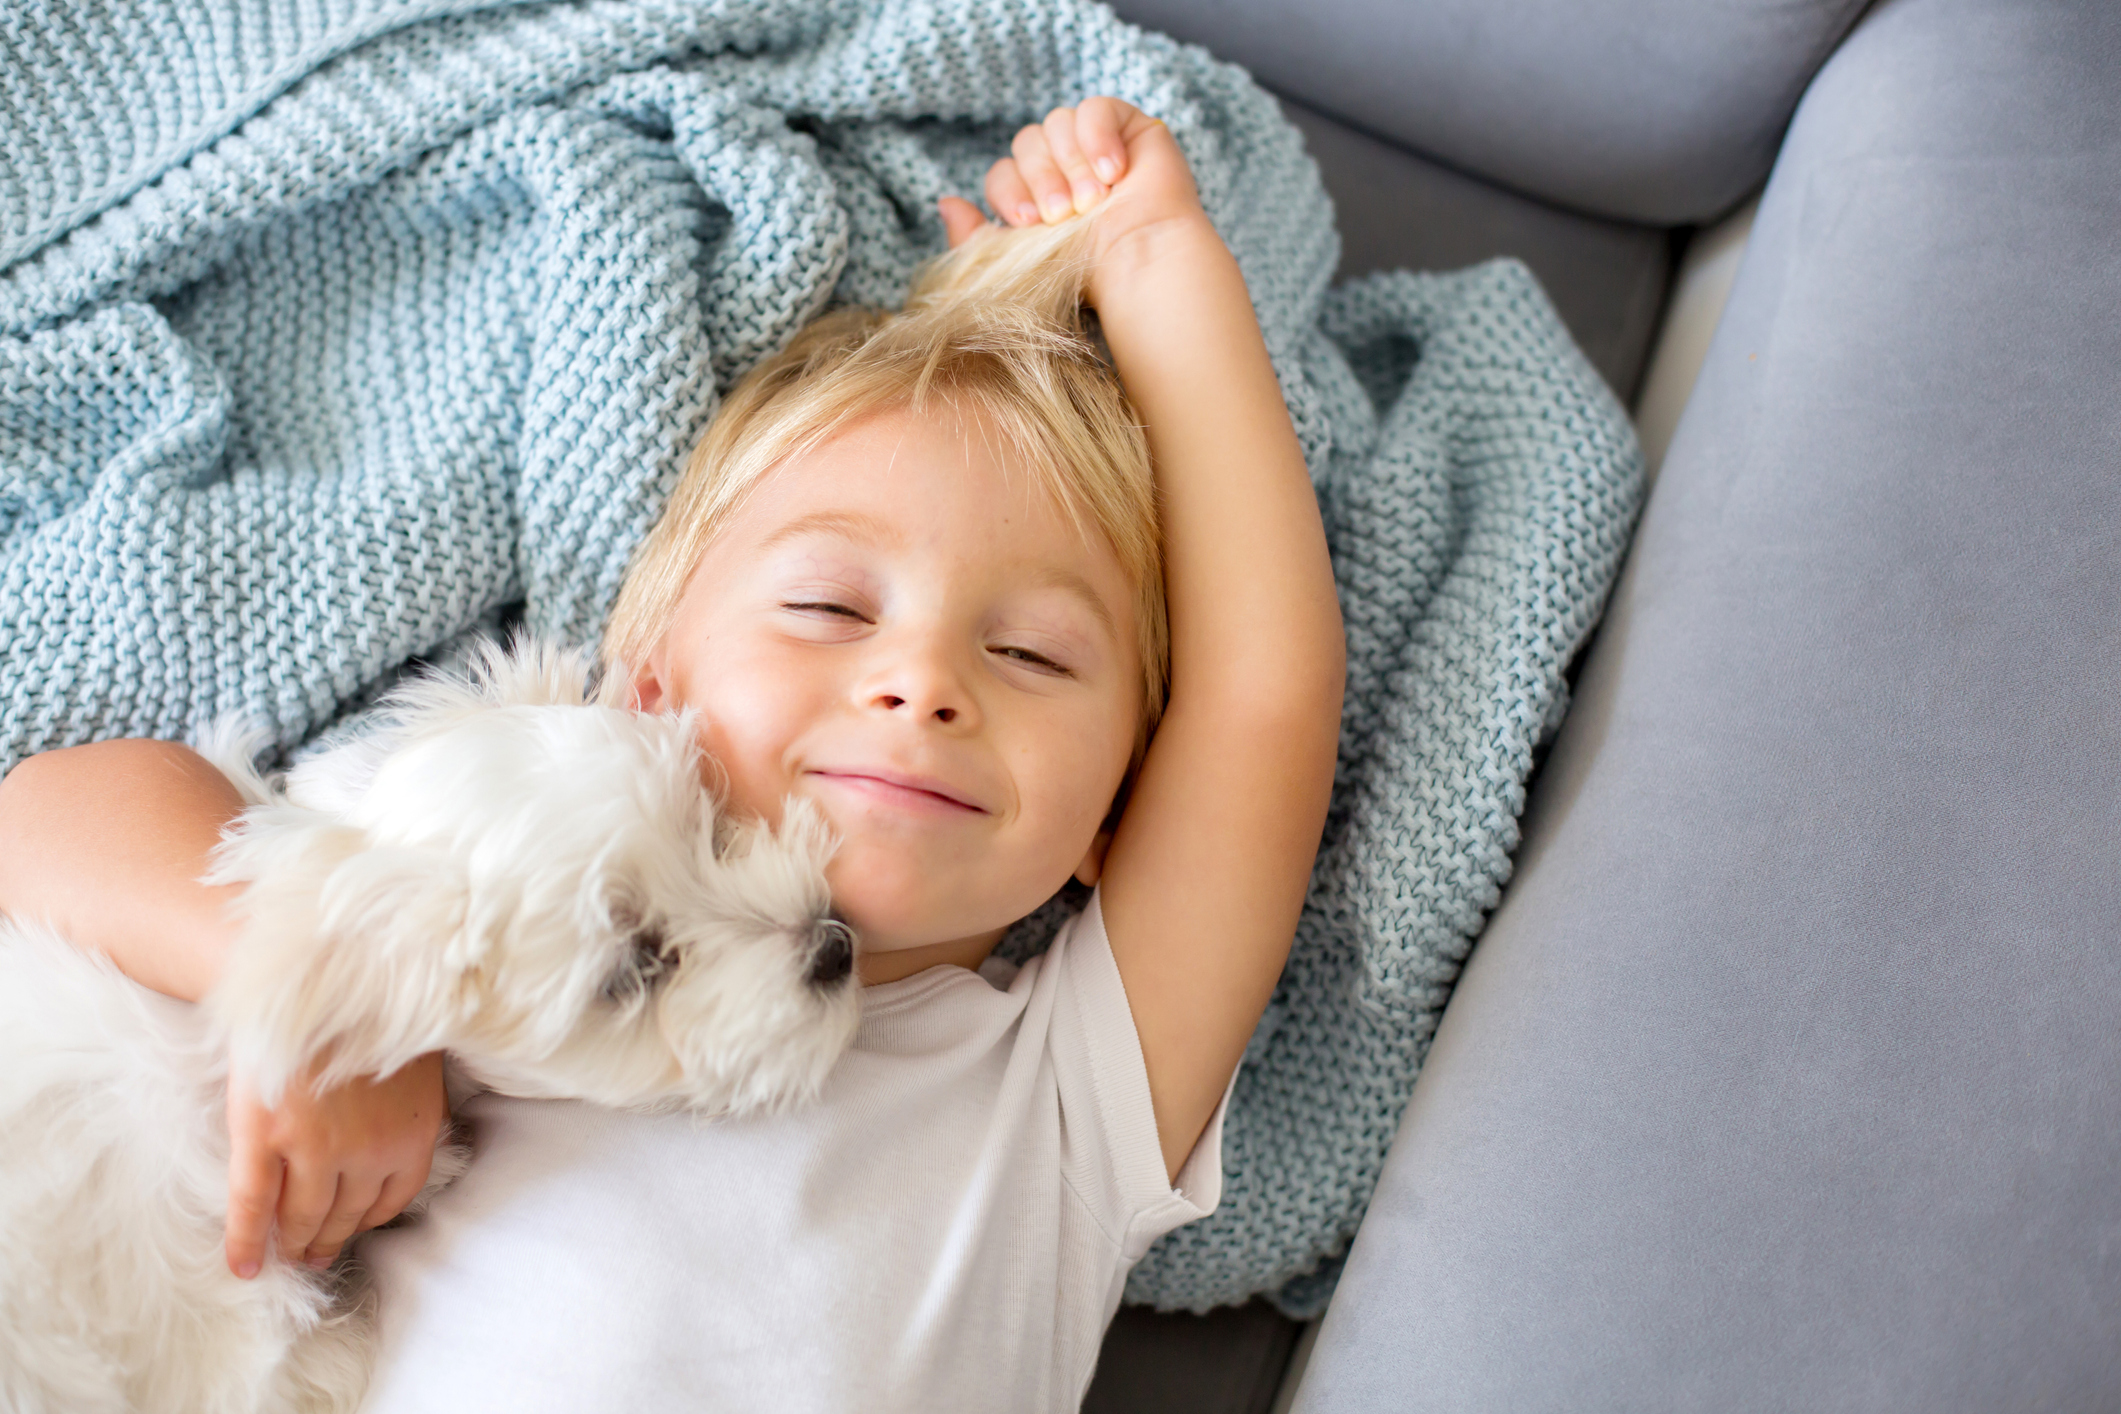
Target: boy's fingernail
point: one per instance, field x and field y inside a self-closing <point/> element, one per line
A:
<point x="1086" y="196"/>
<point x="1108" y="170"/>
<point x="1026" y="213"/>
<point x="246" y="1270"/>
<point x="320" y="1263"/>
<point x="1057" y="209"/>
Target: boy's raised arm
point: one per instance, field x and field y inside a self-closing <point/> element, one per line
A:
<point x="1207" y="873"/>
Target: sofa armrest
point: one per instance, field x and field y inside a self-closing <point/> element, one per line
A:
<point x="1787" y="1076"/>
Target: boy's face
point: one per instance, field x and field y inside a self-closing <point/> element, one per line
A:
<point x="897" y="628"/>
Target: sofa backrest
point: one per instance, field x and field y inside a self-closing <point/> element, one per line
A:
<point x="1661" y="111"/>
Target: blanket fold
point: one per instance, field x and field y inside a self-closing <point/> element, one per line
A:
<point x="328" y="330"/>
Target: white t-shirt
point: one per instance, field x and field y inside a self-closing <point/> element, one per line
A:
<point x="948" y="1228"/>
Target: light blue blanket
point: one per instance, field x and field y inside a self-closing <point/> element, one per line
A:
<point x="329" y="329"/>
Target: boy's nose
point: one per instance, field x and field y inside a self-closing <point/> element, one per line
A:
<point x="944" y="713"/>
<point x="922" y="685"/>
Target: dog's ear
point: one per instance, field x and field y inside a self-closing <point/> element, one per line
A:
<point x="349" y="955"/>
<point x="784" y="862"/>
<point x="530" y="672"/>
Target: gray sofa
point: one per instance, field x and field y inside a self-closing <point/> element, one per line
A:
<point x="1787" y="1075"/>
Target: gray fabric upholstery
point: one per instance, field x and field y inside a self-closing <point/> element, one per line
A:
<point x="1397" y="211"/>
<point x="1788" y="1076"/>
<point x="1659" y="111"/>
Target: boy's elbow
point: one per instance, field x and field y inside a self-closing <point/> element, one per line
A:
<point x="1333" y="665"/>
<point x="1317" y="688"/>
<point x="1317" y="678"/>
<point x="1325" y="646"/>
<point x="1299" y="703"/>
<point x="74" y="779"/>
<point x="33" y="780"/>
<point x="1264" y="693"/>
<point x="66" y="770"/>
<point x="66" y="814"/>
<point x="23" y="793"/>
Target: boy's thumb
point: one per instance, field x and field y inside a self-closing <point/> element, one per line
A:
<point x="961" y="219"/>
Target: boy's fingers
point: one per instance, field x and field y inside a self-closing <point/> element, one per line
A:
<point x="347" y="1209"/>
<point x="254" y="1175"/>
<point x="1154" y="152"/>
<point x="1007" y="194"/>
<point x="1085" y="190"/>
<point x="1034" y="163"/>
<point x="305" y="1202"/>
<point x="1098" y="124"/>
<point x="398" y="1191"/>
<point x="961" y="220"/>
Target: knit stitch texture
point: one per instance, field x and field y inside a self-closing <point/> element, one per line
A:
<point x="330" y="327"/>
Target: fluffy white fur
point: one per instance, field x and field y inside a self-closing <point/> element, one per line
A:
<point x="537" y="885"/>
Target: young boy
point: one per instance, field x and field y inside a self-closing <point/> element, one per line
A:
<point x="913" y="605"/>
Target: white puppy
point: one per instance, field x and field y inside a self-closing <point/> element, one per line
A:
<point x="537" y="885"/>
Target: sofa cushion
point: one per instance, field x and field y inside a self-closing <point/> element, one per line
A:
<point x="1664" y="111"/>
<point x="1227" y="1361"/>
<point x="1787" y="1074"/>
<point x="1397" y="211"/>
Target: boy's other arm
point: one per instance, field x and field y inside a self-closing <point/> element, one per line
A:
<point x="1208" y="870"/>
<point x="107" y="843"/>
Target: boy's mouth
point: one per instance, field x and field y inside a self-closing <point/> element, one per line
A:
<point x="900" y="789"/>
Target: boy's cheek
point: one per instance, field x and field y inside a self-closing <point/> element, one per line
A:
<point x="1075" y="790"/>
<point x="752" y="713"/>
<point x="743" y="765"/>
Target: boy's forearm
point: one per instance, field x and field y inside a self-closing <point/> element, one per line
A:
<point x="107" y="843"/>
<point x="1247" y="573"/>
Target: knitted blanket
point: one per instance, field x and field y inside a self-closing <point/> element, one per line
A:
<point x="327" y="330"/>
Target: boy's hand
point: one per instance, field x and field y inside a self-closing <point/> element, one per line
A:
<point x="1102" y="156"/>
<point x="327" y="1166"/>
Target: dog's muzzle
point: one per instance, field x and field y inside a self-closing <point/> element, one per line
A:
<point x="831" y="951"/>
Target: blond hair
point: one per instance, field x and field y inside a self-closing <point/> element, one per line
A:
<point x="993" y="332"/>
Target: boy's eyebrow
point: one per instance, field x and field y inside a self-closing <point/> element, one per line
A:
<point x="1062" y="578"/>
<point x="851" y="524"/>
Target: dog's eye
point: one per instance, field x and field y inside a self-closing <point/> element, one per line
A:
<point x="648" y="944"/>
<point x="641" y="966"/>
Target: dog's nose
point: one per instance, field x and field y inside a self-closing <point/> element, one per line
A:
<point x="832" y="951"/>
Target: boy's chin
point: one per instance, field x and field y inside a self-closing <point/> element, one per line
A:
<point x="901" y="930"/>
<point x="894" y="904"/>
<point x="899" y="914"/>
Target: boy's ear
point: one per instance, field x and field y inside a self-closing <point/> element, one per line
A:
<point x="647" y="688"/>
<point x="1092" y="868"/>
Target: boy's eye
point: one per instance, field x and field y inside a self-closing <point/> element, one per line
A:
<point x="826" y="607"/>
<point x="1033" y="659"/>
